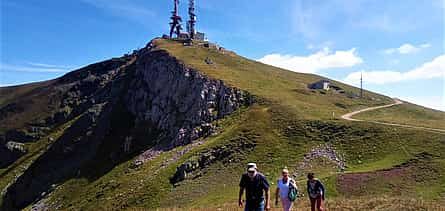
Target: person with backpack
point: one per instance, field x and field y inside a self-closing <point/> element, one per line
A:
<point x="316" y="192"/>
<point x="286" y="190"/>
<point x="256" y="185"/>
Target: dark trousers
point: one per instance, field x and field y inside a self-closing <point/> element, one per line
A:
<point x="254" y="206"/>
<point x="316" y="202"/>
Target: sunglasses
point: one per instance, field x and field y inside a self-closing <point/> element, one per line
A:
<point x="250" y="172"/>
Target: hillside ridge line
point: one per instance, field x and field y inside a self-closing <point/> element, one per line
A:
<point x="348" y="117"/>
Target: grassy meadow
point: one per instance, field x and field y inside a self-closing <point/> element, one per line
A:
<point x="396" y="168"/>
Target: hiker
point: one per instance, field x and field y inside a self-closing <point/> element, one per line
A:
<point x="283" y="188"/>
<point x="315" y="190"/>
<point x="255" y="185"/>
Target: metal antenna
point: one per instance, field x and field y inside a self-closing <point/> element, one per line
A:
<point x="176" y="21"/>
<point x="192" y="21"/>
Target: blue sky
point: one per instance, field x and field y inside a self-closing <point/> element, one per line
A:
<point x="397" y="45"/>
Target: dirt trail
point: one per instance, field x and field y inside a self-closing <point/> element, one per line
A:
<point x="348" y="117"/>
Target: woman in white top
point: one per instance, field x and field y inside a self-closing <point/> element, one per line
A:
<point x="283" y="190"/>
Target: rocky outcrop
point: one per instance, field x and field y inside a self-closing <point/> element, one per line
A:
<point x="179" y="100"/>
<point x="324" y="151"/>
<point x="191" y="168"/>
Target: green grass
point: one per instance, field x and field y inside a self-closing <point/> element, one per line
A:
<point x="81" y="193"/>
<point x="219" y="182"/>
<point x="224" y="179"/>
<point x="34" y="150"/>
<point x="408" y="114"/>
<point x="367" y="147"/>
<point x="278" y="86"/>
<point x="287" y="121"/>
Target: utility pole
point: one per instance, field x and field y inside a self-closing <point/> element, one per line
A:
<point x="361" y="85"/>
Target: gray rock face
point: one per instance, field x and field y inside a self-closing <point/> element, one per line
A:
<point x="180" y="101"/>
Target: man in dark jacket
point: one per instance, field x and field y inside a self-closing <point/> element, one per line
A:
<point x="315" y="190"/>
<point x="255" y="185"/>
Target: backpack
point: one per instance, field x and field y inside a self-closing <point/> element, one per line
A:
<point x="319" y="186"/>
<point x="293" y="193"/>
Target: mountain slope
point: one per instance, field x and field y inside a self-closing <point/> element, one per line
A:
<point x="175" y="121"/>
<point x="408" y="114"/>
<point x="120" y="102"/>
<point x="276" y="85"/>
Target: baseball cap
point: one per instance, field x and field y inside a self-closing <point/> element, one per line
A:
<point x="251" y="167"/>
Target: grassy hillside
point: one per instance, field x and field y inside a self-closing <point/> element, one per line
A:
<point x="276" y="85"/>
<point x="14" y="92"/>
<point x="34" y="150"/>
<point x="383" y="163"/>
<point x="367" y="148"/>
<point x="17" y="108"/>
<point x="408" y="114"/>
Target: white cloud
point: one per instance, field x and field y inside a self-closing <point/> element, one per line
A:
<point x="48" y="65"/>
<point x="426" y="45"/>
<point x="323" y="59"/>
<point x="34" y="67"/>
<point x="407" y="49"/>
<point x="429" y="70"/>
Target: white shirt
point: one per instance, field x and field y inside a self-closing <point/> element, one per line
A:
<point x="284" y="187"/>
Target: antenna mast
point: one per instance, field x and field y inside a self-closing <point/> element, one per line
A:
<point x="192" y="21"/>
<point x="175" y="25"/>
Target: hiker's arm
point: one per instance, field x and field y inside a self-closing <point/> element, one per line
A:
<point x="268" y="199"/>
<point x="322" y="189"/>
<point x="294" y="184"/>
<point x="240" y="201"/>
<point x="242" y="185"/>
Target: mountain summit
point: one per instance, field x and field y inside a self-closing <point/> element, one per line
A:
<point x="180" y="120"/>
